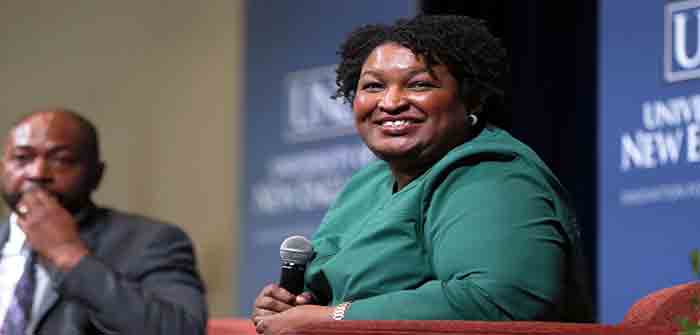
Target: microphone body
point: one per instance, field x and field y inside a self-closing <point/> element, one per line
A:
<point x="295" y="252"/>
<point x="292" y="277"/>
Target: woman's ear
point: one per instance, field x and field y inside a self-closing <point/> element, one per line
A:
<point x="471" y="97"/>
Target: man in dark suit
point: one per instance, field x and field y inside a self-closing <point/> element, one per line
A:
<point x="85" y="269"/>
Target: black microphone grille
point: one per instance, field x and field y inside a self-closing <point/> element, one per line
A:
<point x="296" y="249"/>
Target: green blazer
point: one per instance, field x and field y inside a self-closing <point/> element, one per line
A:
<point x="488" y="233"/>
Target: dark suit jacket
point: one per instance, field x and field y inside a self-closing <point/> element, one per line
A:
<point x="140" y="278"/>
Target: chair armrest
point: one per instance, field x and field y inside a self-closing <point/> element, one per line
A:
<point x="442" y="327"/>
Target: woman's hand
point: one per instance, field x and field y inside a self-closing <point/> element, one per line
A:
<point x="292" y="318"/>
<point x="274" y="300"/>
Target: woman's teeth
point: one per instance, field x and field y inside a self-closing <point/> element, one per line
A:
<point x="397" y="123"/>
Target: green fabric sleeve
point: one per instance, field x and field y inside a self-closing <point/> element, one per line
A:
<point x="497" y="250"/>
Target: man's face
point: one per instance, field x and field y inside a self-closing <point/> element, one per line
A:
<point x="47" y="151"/>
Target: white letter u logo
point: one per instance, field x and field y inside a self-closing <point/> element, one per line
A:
<point x="679" y="22"/>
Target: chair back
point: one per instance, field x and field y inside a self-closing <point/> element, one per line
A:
<point x="665" y="307"/>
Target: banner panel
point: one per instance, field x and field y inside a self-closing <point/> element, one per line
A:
<point x="649" y="146"/>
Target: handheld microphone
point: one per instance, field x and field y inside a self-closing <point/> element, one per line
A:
<point x="295" y="252"/>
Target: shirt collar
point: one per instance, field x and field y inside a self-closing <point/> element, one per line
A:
<point x="16" y="239"/>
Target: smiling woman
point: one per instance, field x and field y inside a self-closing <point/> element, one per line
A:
<point x="458" y="219"/>
<point x="409" y="115"/>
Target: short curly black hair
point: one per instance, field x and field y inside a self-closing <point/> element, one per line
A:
<point x="471" y="53"/>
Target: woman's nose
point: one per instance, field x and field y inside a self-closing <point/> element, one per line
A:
<point x="392" y="101"/>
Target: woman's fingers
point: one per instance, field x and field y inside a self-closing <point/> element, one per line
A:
<point x="272" y="300"/>
<point x="272" y="304"/>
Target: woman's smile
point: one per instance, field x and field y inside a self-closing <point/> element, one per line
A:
<point x="393" y="126"/>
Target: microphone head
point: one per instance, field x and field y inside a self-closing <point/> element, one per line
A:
<point x="296" y="249"/>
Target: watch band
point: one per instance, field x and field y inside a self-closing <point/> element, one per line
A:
<point x="339" y="311"/>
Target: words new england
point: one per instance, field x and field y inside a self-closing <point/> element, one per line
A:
<point x="671" y="134"/>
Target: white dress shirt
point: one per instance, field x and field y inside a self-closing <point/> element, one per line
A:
<point x="13" y="257"/>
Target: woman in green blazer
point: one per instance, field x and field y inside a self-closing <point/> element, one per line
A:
<point x="457" y="219"/>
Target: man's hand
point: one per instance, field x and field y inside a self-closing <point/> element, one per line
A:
<point x="51" y="230"/>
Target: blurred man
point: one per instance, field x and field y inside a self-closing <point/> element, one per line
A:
<point x="70" y="267"/>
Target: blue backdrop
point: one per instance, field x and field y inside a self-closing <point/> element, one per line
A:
<point x="649" y="144"/>
<point x="300" y="146"/>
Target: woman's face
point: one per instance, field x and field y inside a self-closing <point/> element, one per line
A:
<point x="403" y="113"/>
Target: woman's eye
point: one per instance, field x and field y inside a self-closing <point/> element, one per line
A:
<point x="372" y="86"/>
<point x="422" y="85"/>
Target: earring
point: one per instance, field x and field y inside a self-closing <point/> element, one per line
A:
<point x="473" y="119"/>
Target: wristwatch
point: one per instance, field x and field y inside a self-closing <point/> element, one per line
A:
<point x="339" y="311"/>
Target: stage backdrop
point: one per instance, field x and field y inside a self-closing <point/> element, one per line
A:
<point x="649" y="144"/>
<point x="300" y="146"/>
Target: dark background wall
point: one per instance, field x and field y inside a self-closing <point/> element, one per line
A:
<point x="552" y="101"/>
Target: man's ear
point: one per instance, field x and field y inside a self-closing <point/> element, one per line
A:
<point x="96" y="175"/>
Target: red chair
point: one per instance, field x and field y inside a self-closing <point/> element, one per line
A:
<point x="664" y="307"/>
<point x="655" y="314"/>
<point x="438" y="327"/>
